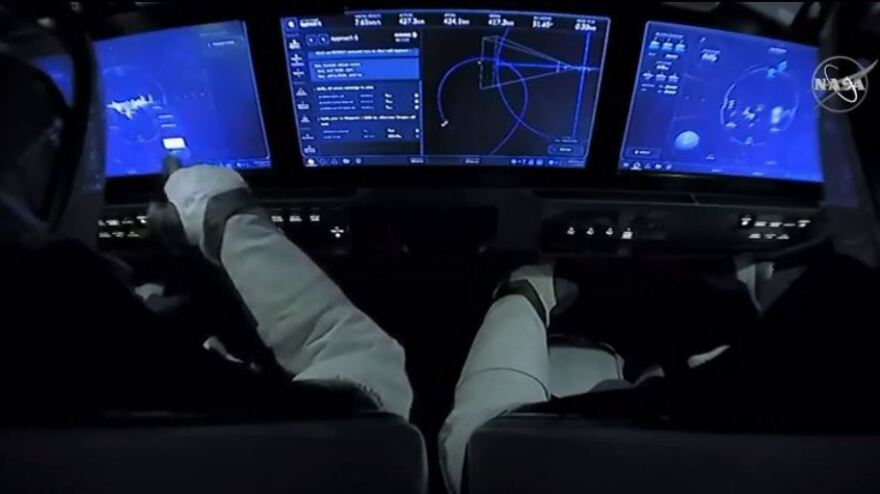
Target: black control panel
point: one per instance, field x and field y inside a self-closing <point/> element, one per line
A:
<point x="317" y="228"/>
<point x="322" y="228"/>
<point x="680" y="228"/>
<point x="373" y="222"/>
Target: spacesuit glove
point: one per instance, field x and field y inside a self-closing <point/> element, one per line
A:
<point x="205" y="197"/>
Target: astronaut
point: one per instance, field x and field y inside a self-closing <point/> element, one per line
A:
<point x="76" y="337"/>
<point x="514" y="361"/>
<point x="765" y="377"/>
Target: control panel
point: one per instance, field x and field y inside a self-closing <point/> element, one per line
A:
<point x="325" y="229"/>
<point x="317" y="228"/>
<point x="488" y="91"/>
<point x="474" y="221"/>
<point x="680" y="228"/>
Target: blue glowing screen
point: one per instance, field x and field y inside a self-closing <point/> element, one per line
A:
<point x="715" y="102"/>
<point x="445" y="87"/>
<point x="187" y="92"/>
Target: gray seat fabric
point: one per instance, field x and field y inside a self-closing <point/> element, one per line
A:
<point x="380" y="453"/>
<point x="531" y="454"/>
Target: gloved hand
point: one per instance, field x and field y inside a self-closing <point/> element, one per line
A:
<point x="548" y="293"/>
<point x="192" y="214"/>
<point x="200" y="200"/>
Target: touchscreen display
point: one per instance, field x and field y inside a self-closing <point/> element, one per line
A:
<point x="465" y="88"/>
<point x="187" y="92"/>
<point x="722" y="103"/>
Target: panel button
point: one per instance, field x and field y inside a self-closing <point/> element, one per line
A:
<point x="337" y="232"/>
<point x="295" y="217"/>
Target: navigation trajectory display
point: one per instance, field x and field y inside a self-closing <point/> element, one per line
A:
<point x="187" y="92"/>
<point x="445" y="88"/>
<point x="716" y="102"/>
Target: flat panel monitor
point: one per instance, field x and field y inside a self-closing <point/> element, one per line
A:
<point x="465" y="88"/>
<point x="722" y="103"/>
<point x="188" y="92"/>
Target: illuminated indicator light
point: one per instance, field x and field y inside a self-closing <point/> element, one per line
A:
<point x="174" y="143"/>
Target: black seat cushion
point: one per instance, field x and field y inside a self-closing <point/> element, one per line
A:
<point x="381" y="453"/>
<point x="529" y="454"/>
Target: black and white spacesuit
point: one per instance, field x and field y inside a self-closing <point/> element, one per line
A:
<point x="78" y="340"/>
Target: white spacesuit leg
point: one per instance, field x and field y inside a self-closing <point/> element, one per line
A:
<point x="507" y="366"/>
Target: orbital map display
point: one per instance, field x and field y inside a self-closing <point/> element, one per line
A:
<point x="445" y="87"/>
<point x="187" y="92"/>
<point x="715" y="102"/>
